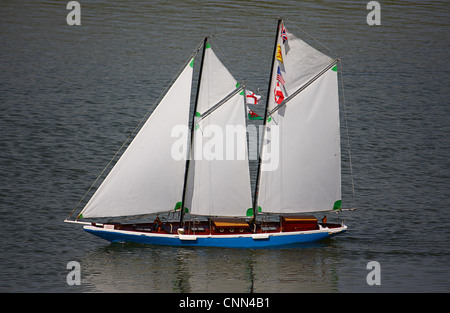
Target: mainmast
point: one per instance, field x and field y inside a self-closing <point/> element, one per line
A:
<point x="183" y="200"/>
<point x="258" y="174"/>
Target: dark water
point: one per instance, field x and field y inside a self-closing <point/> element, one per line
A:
<point x="70" y="95"/>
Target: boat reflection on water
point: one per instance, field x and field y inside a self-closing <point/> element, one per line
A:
<point x="130" y="267"/>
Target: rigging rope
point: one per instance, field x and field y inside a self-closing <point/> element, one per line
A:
<point x="133" y="132"/>
<point x="311" y="37"/>
<point x="347" y="133"/>
<point x="193" y="54"/>
<point x="230" y="65"/>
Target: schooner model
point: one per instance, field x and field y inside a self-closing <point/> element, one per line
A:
<point x="211" y="198"/>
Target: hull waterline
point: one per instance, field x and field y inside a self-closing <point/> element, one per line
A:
<point x="260" y="240"/>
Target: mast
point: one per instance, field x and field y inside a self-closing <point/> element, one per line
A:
<point x="258" y="173"/>
<point x="205" y="42"/>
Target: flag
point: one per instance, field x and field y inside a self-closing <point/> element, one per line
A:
<point x="279" y="55"/>
<point x="252" y="115"/>
<point x="279" y="77"/>
<point x="251" y="97"/>
<point x="279" y="97"/>
<point x="283" y="33"/>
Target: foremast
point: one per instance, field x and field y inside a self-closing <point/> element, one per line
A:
<point x="189" y="152"/>
<point x="258" y="173"/>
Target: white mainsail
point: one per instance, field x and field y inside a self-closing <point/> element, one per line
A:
<point x="219" y="177"/>
<point x="147" y="179"/>
<point x="303" y="136"/>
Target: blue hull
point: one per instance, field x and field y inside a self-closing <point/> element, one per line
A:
<point x="246" y="241"/>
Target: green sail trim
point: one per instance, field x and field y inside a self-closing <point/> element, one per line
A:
<point x="334" y="68"/>
<point x="197" y="114"/>
<point x="208" y="45"/>
<point x="80" y="216"/>
<point x="192" y="63"/>
<point x="237" y="86"/>
<point x="178" y="206"/>
<point x="337" y="205"/>
<point x="250" y="211"/>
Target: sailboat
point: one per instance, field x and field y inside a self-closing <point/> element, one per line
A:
<point x="206" y="189"/>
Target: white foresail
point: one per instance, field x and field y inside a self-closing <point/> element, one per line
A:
<point x="147" y="178"/>
<point x="302" y="138"/>
<point x="219" y="178"/>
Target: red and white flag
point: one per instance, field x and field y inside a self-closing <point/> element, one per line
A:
<point x="251" y="97"/>
<point x="279" y="96"/>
